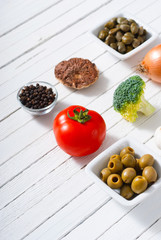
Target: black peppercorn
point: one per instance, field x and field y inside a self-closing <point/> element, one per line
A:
<point x="37" y="97"/>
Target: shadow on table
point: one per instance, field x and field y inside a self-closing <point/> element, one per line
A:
<point x="134" y="61"/>
<point x="47" y="119"/>
<point x="148" y="211"/>
<point x="83" y="161"/>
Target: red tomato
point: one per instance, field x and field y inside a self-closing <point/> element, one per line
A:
<point x="75" y="138"/>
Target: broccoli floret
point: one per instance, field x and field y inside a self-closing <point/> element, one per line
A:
<point x="129" y="98"/>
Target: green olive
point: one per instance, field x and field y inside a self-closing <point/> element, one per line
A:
<point x="150" y="174"/>
<point x="113" y="45"/>
<point x="120" y="19"/>
<point x="113" y="31"/>
<point x="114" y="20"/>
<point x="114" y="164"/>
<point x="141" y="39"/>
<point x="121" y="47"/>
<point x="146" y="160"/>
<point x="139" y="184"/>
<point x="119" y="36"/>
<point x="128" y="160"/>
<point x="109" y="24"/>
<point x="105" y="174"/>
<point x="134" y="28"/>
<point x="135" y="43"/>
<point x="107" y="30"/>
<point x="126" y="191"/>
<point x="141" y="31"/>
<point x="118" y="26"/>
<point x="129" y="48"/>
<point x="128" y="174"/>
<point x="125" y="27"/>
<point x="128" y="38"/>
<point x="131" y="21"/>
<point x="137" y="167"/>
<point x="114" y="181"/>
<point x="102" y="34"/>
<point x="110" y="39"/>
<point x="127" y="150"/>
<point x="115" y="156"/>
<point x="125" y="22"/>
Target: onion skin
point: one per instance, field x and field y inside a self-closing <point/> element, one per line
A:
<point x="151" y="64"/>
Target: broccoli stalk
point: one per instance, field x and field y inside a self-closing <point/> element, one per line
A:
<point x="129" y="98"/>
<point x="145" y="107"/>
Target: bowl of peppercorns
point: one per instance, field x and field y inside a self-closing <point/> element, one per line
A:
<point x="37" y="98"/>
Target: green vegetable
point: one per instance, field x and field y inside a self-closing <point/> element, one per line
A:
<point x="129" y="98"/>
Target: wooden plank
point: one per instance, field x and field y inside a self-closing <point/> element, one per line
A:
<point x="147" y="16"/>
<point x="137" y="220"/>
<point x="9" y="19"/>
<point x="58" y="26"/>
<point x="153" y="232"/>
<point x="72" y="214"/>
<point x="52" y="13"/>
<point x="53" y="204"/>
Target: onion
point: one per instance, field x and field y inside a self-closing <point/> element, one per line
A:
<point x="151" y="64"/>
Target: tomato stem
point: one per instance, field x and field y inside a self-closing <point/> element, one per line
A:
<point x="81" y="116"/>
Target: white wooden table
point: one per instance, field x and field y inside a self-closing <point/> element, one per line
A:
<point x="45" y="193"/>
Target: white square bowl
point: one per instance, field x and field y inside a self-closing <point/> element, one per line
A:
<point x="95" y="166"/>
<point x="151" y="36"/>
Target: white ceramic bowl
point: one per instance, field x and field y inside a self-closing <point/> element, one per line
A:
<point x="94" y="168"/>
<point x="40" y="111"/>
<point x="151" y="36"/>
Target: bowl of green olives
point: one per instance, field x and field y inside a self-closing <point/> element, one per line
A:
<point x="128" y="171"/>
<point x="123" y="35"/>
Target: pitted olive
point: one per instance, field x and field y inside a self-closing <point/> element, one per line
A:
<point x="128" y="160"/>
<point x="102" y="34"/>
<point x="146" y="160"/>
<point x="134" y="28"/>
<point x="128" y="174"/>
<point x="129" y="48"/>
<point x="121" y="47"/>
<point x="113" y="45"/>
<point x="126" y="191"/>
<point x="128" y="38"/>
<point x="114" y="164"/>
<point x="110" y="39"/>
<point x="135" y="43"/>
<point x="127" y="150"/>
<point x="150" y="174"/>
<point x="115" y="156"/>
<point x="124" y="27"/>
<point x="105" y="173"/>
<point x="114" y="181"/>
<point x="109" y="24"/>
<point x="139" y="184"/>
<point x="137" y="167"/>
<point x="119" y="36"/>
